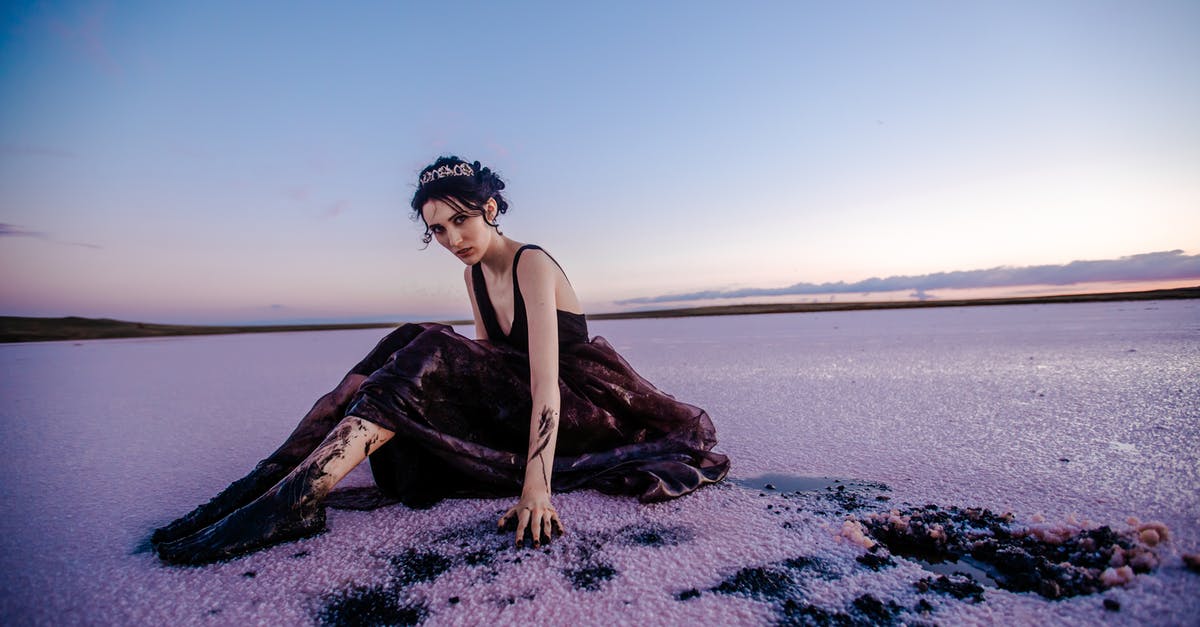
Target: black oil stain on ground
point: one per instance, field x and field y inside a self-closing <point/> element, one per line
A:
<point x="961" y="587"/>
<point x="413" y="566"/>
<point x="383" y="604"/>
<point x="590" y="577"/>
<point x="875" y="560"/>
<point x="782" y="585"/>
<point x="1013" y="560"/>
<point x="370" y="607"/>
<point x="655" y="535"/>
<point x="760" y="582"/>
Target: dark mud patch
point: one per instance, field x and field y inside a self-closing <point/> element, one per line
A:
<point x="386" y="604"/>
<point x="961" y="587"/>
<point x="414" y="566"/>
<point x="782" y="585"/>
<point x="876" y="560"/>
<point x="797" y="612"/>
<point x="591" y="577"/>
<point x="479" y="530"/>
<point x="778" y="580"/>
<point x="875" y="611"/>
<point x="759" y="582"/>
<point x="369" y="606"/>
<point x="655" y="535"/>
<point x="1053" y="561"/>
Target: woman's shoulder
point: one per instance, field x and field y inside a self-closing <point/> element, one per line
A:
<point x="534" y="263"/>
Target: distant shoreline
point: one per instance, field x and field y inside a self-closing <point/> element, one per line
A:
<point x="19" y="329"/>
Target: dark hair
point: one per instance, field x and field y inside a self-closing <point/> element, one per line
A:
<point x="466" y="193"/>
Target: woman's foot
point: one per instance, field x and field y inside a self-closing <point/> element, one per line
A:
<point x="239" y="493"/>
<point x="290" y="511"/>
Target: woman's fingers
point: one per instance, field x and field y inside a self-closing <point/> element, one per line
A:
<point x="535" y="527"/>
<point x="541" y="522"/>
<point x="505" y="518"/>
<point x="523" y="515"/>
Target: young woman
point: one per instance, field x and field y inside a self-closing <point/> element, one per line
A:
<point x="531" y="402"/>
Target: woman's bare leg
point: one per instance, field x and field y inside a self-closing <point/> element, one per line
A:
<point x="290" y="510"/>
<point x="312" y="430"/>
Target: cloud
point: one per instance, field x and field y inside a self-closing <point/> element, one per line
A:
<point x="13" y="230"/>
<point x="1164" y="265"/>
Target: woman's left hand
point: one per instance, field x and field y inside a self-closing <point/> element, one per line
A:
<point x="533" y="512"/>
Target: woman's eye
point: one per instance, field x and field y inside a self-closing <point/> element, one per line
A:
<point x="437" y="230"/>
<point x="460" y="219"/>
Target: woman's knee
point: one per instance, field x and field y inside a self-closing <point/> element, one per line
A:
<point x="346" y="390"/>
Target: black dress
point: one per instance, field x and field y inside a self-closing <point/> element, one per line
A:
<point x="461" y="412"/>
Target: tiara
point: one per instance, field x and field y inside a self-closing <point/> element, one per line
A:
<point x="460" y="169"/>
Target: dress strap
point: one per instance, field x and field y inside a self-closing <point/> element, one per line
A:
<point x="517" y="299"/>
<point x="487" y="312"/>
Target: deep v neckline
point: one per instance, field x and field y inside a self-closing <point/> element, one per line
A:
<point x="485" y="297"/>
<point x="572" y="327"/>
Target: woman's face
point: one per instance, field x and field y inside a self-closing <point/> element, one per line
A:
<point x="466" y="234"/>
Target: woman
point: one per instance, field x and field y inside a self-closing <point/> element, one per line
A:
<point x="531" y="401"/>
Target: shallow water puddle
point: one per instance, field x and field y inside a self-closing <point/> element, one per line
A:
<point x="965" y="565"/>
<point x="797" y="483"/>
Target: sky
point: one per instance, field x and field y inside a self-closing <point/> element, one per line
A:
<point x="227" y="162"/>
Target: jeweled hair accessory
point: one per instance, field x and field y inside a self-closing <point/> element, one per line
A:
<point x="460" y="169"/>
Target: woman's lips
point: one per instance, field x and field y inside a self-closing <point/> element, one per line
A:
<point x="464" y="252"/>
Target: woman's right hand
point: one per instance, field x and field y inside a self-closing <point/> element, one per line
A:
<point x="535" y="513"/>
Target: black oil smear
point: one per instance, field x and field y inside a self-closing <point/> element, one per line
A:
<point x="876" y="611"/>
<point x="875" y="561"/>
<point x="759" y="582"/>
<point x="413" y="566"/>
<point x="591" y="577"/>
<point x="961" y="587"/>
<point x="797" y="612"/>
<point x="782" y="585"/>
<point x="1014" y="561"/>
<point x="655" y="535"/>
<point x="369" y="607"/>
<point x="384" y="604"/>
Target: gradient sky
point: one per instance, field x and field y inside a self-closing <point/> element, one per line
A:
<point x="233" y="162"/>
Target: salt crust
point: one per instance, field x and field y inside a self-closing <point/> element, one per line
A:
<point x="967" y="407"/>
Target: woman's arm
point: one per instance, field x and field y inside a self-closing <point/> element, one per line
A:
<point x="480" y="330"/>
<point x="538" y="278"/>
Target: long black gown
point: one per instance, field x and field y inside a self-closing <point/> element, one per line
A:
<point x="461" y="413"/>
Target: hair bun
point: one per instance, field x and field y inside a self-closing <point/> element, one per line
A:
<point x="445" y="179"/>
